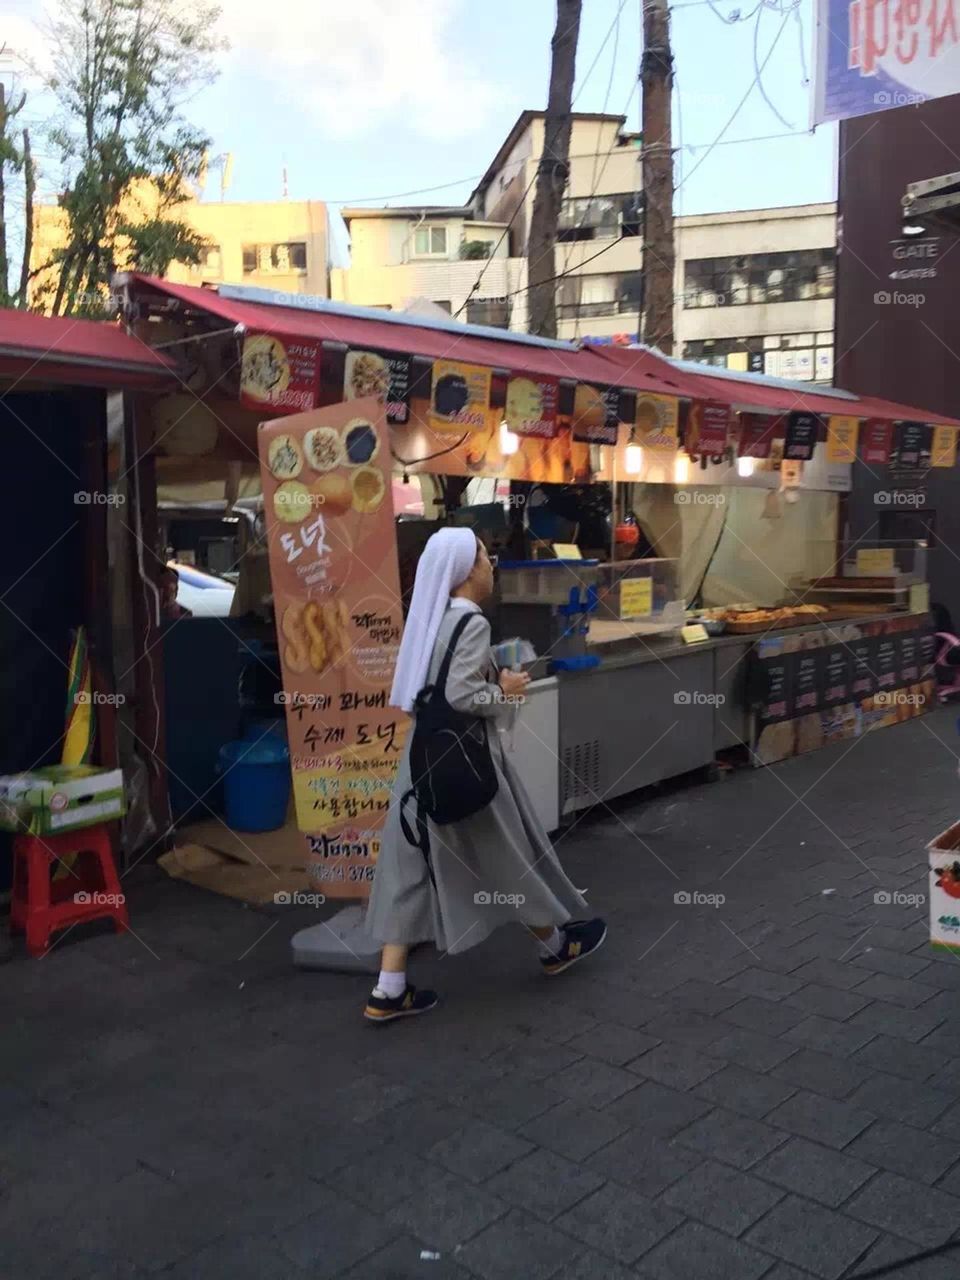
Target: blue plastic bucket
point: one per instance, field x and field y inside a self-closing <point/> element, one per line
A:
<point x="256" y="783"/>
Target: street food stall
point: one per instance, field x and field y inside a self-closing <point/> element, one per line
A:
<point x="671" y="542"/>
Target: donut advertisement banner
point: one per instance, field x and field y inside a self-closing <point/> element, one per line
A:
<point x="460" y="397"/>
<point x="531" y="407"/>
<point x="279" y="373"/>
<point x="333" y="567"/>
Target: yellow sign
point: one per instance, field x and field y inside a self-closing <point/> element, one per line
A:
<point x="920" y="597"/>
<point x="694" y="633"/>
<point x="460" y="397"/>
<point x="842" y="439"/>
<point x="636" y="597"/>
<point x="943" y="449"/>
<point x="656" y="420"/>
<point x="875" y="562"/>
<point x="567" y="551"/>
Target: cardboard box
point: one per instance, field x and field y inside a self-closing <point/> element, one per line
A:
<point x="944" y="852"/>
<point x="60" y="798"/>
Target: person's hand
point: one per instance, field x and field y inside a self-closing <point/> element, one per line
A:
<point x="514" y="683"/>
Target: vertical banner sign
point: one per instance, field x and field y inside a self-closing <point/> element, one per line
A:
<point x="279" y="373"/>
<point x="913" y="439"/>
<point x="714" y="419"/>
<point x="872" y="55"/>
<point x="657" y="419"/>
<point x="801" y="436"/>
<point x="460" y="397"/>
<point x="756" y="434"/>
<point x="842" y="439"/>
<point x="943" y="449"/>
<point x="596" y="414"/>
<point x="377" y="373"/>
<point x="336" y="591"/>
<point x="877" y="440"/>
<point x="531" y="408"/>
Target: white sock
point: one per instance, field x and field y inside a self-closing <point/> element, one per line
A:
<point x="550" y="946"/>
<point x="390" y="984"/>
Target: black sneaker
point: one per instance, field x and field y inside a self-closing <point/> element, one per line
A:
<point x="578" y="938"/>
<point x="385" y="1009"/>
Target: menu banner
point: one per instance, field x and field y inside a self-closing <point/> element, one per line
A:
<point x="279" y="374"/>
<point x="757" y="433"/>
<point x="657" y="420"/>
<point x="460" y="396"/>
<point x="333" y="567"/>
<point x="837" y="671"/>
<point x="943" y="447"/>
<point x="531" y="408"/>
<point x="877" y="439"/>
<point x="380" y="374"/>
<point x="842" y="435"/>
<point x="913" y="439"/>
<point x="801" y="436"/>
<point x="596" y="414"/>
<point x="713" y="419"/>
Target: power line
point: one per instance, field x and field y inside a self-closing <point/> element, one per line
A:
<point x="739" y="107"/>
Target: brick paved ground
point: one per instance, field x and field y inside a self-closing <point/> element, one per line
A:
<point x="760" y="1089"/>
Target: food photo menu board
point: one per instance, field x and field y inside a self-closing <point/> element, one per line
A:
<point x="336" y="589"/>
<point x="815" y="687"/>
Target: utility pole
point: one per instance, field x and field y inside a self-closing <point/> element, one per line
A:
<point x="656" y="82"/>
<point x="552" y="173"/>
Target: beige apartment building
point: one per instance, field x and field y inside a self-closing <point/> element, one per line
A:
<point x="754" y="289"/>
<point x="276" y="244"/>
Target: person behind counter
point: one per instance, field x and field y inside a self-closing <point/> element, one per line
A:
<point x="169" y="586"/>
<point x="488" y="869"/>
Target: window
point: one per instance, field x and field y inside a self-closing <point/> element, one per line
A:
<point x="805" y="357"/>
<point x="600" y="217"/>
<point x="210" y="258"/>
<point x="430" y="242"/>
<point x="489" y="311"/>
<point x="274" y="259"/>
<point x="598" y="295"/>
<point x="759" y="278"/>
<point x="442" y="303"/>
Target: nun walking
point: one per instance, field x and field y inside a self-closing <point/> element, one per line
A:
<point x="453" y="882"/>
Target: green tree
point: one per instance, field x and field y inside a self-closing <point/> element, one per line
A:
<point x="16" y="159"/>
<point x="122" y="72"/>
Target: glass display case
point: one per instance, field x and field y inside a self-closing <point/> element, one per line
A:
<point x="642" y="595"/>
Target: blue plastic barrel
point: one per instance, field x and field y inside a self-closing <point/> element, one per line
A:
<point x="256" y="783"/>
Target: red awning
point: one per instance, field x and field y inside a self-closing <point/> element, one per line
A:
<point x="60" y="349"/>
<point x="383" y="335"/>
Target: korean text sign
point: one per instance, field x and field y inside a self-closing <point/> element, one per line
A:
<point x="876" y="54"/>
<point x="333" y="567"/>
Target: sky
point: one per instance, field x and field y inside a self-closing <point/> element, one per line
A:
<point x="363" y="101"/>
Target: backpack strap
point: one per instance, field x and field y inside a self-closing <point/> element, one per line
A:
<point x="421" y="840"/>
<point x="440" y="684"/>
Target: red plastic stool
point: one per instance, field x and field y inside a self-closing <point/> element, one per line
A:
<point x="90" y="890"/>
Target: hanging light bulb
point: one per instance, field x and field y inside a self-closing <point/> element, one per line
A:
<point x="633" y="455"/>
<point x="746" y="466"/>
<point x="681" y="469"/>
<point x="509" y="440"/>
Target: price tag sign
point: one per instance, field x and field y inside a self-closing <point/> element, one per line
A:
<point x="875" y="562"/>
<point x="694" y="633"/>
<point x="636" y="597"/>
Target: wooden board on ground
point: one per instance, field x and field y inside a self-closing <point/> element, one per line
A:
<point x="250" y="867"/>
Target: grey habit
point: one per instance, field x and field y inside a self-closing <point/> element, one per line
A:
<point x="501" y="851"/>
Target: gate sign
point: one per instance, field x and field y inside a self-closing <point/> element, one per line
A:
<point x="876" y="54"/>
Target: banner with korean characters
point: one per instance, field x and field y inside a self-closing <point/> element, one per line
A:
<point x="801" y="436"/>
<point x="913" y="443"/>
<point x="943" y="447"/>
<point x="380" y="374"/>
<point x="531" y="407"/>
<point x="757" y="434"/>
<point x="876" y="441"/>
<point x="596" y="414"/>
<point x="333" y="567"/>
<point x="842" y="435"/>
<point x="657" y="420"/>
<point x="282" y="374"/>
<point x="709" y="422"/>
<point x="460" y="397"/>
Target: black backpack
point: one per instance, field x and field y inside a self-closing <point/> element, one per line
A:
<point x="452" y="773"/>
